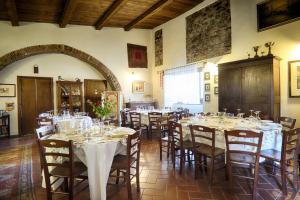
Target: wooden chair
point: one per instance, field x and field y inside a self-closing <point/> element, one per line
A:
<point x="124" y="119"/>
<point x="246" y="155"/>
<point x="136" y="122"/>
<point x="153" y="126"/>
<point x="68" y="170"/>
<point x="203" y="139"/>
<point x="287" y="123"/>
<point x="124" y="163"/>
<point x="44" y="121"/>
<point x="185" y="148"/>
<point x="287" y="157"/>
<point x="44" y="131"/>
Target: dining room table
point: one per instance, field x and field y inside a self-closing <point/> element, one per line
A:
<point x="96" y="147"/>
<point x="272" y="132"/>
<point x="145" y="112"/>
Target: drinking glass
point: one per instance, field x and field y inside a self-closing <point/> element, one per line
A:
<point x="225" y="109"/>
<point x="251" y="113"/>
<point x="257" y="114"/>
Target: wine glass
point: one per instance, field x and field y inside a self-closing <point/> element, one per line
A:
<point x="251" y="113"/>
<point x="240" y="115"/>
<point x="238" y="110"/>
<point x="257" y="114"/>
<point x="225" y="109"/>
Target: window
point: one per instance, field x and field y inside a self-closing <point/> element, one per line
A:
<point x="182" y="85"/>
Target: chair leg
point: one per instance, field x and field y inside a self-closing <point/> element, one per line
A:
<point x="255" y="181"/>
<point x="117" y="178"/>
<point x="212" y="167"/>
<point x="205" y="162"/>
<point x="173" y="155"/>
<point x="168" y="150"/>
<point x="283" y="179"/>
<point x="229" y="172"/>
<point x="71" y="185"/>
<point x="197" y="163"/>
<point x="160" y="149"/>
<point x="182" y="155"/>
<point x="188" y="157"/>
<point x="128" y="183"/>
<point x="137" y="176"/>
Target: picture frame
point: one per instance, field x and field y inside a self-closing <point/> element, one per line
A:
<point x="294" y="78"/>
<point x="216" y="79"/>
<point x="216" y="90"/>
<point x="7" y="90"/>
<point x="273" y="13"/>
<point x="137" y="56"/>
<point x="138" y="87"/>
<point x="207" y="87"/>
<point x="206" y="76"/>
<point x="207" y="97"/>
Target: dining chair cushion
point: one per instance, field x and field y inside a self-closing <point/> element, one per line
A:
<point x="121" y="162"/>
<point x="207" y="150"/>
<point x="79" y="168"/>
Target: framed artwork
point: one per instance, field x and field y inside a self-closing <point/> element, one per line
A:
<point x="216" y="79"/>
<point x="7" y="90"/>
<point x="207" y="87"/>
<point x="275" y="13"/>
<point x="138" y="87"/>
<point x="207" y="97"/>
<point x="137" y="56"/>
<point x="216" y="90"/>
<point x="206" y="76"/>
<point x="158" y="48"/>
<point x="294" y="78"/>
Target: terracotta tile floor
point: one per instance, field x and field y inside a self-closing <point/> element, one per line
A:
<point x="160" y="181"/>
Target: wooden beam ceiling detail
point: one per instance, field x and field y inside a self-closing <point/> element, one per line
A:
<point x="67" y="13"/>
<point x="109" y="13"/>
<point x="12" y="12"/>
<point x="152" y="10"/>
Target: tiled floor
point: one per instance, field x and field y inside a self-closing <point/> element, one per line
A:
<point x="159" y="180"/>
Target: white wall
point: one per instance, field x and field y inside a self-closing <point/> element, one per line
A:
<point x="108" y="45"/>
<point x="244" y="37"/>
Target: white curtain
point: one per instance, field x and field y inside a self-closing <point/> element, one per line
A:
<point x="182" y="85"/>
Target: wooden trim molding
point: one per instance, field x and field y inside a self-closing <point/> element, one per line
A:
<point x="12" y="12"/>
<point x="20" y="54"/>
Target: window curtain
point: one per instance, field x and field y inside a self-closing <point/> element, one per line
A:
<point x="182" y="85"/>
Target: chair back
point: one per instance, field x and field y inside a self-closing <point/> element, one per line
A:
<point x="203" y="135"/>
<point x="287" y="122"/>
<point x="44" y="131"/>
<point x="244" y="143"/>
<point x="290" y="145"/>
<point x="134" y="145"/>
<point x="175" y="132"/>
<point x="124" y="118"/>
<point x="135" y="120"/>
<point x="51" y="156"/>
<point x="153" y="117"/>
<point x="44" y="121"/>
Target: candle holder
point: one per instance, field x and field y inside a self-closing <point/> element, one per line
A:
<point x="256" y="48"/>
<point x="269" y="46"/>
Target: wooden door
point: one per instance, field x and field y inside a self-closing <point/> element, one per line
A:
<point x="92" y="91"/>
<point x="35" y="95"/>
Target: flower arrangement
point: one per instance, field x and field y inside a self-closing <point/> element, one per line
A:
<point x="102" y="108"/>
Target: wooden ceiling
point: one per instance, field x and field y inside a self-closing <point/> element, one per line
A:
<point x="128" y="14"/>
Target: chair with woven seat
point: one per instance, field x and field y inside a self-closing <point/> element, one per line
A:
<point x="136" y="122"/>
<point x="44" y="131"/>
<point x="203" y="139"/>
<point x="125" y="163"/>
<point x="243" y="149"/>
<point x="287" y="157"/>
<point x="185" y="148"/>
<point x="153" y="126"/>
<point x="288" y="123"/>
<point x="60" y="166"/>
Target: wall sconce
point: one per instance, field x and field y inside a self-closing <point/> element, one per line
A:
<point x="35" y="69"/>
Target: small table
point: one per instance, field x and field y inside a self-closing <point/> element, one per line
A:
<point x="4" y="125"/>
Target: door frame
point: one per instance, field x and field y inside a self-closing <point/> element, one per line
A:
<point x="19" y="97"/>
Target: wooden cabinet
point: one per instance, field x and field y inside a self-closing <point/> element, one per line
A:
<point x="251" y="84"/>
<point x="69" y="96"/>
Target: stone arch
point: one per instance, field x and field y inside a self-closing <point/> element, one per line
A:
<point x="61" y="49"/>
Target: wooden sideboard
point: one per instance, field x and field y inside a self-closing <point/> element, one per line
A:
<point x="251" y="84"/>
<point x="134" y="104"/>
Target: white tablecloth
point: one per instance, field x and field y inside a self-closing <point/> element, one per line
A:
<point x="97" y="153"/>
<point x="272" y="136"/>
<point x="71" y="123"/>
<point x="144" y="114"/>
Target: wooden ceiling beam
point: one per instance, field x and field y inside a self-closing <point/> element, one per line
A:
<point x="12" y="12"/>
<point x="109" y="13"/>
<point x="67" y="13"/>
<point x="152" y="10"/>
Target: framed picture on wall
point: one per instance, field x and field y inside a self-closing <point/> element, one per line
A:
<point x="206" y="76"/>
<point x="294" y="78"/>
<point x="207" y="87"/>
<point x="137" y="56"/>
<point x="138" y="87"/>
<point x="7" y="90"/>
<point x="207" y="97"/>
